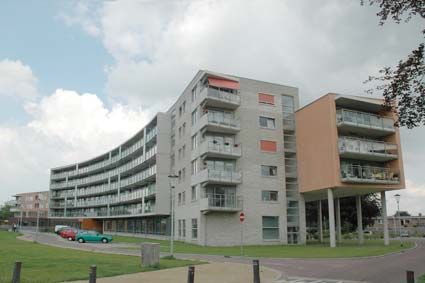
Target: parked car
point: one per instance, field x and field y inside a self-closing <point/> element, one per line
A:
<point x="59" y="228"/>
<point x="367" y="232"/>
<point x="404" y="233"/>
<point x="92" y="236"/>
<point x="69" y="233"/>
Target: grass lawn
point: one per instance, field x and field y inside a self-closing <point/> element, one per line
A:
<point x="348" y="248"/>
<point x="421" y="279"/>
<point x="43" y="264"/>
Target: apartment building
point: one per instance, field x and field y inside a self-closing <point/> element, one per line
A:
<point x="347" y="147"/>
<point x="28" y="206"/>
<point x="233" y="145"/>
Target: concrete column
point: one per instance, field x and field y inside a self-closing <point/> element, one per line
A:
<point x="331" y="209"/>
<point x="303" y="228"/>
<point x="338" y="221"/>
<point x="359" y="220"/>
<point x="319" y="220"/>
<point x="385" y="218"/>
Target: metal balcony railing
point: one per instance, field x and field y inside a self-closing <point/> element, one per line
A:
<point x="223" y="201"/>
<point x="369" y="174"/>
<point x="364" y="146"/>
<point x="223" y="176"/>
<point x="221" y="148"/>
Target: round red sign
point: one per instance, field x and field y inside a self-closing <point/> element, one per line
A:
<point x="241" y="217"/>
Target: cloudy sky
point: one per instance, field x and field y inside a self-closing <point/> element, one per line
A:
<point x="79" y="77"/>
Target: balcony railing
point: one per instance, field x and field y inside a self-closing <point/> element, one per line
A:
<point x="221" y="98"/>
<point x="221" y="202"/>
<point x="364" y="120"/>
<point x="220" y="149"/>
<point x="220" y="176"/>
<point x="369" y="174"/>
<point x="370" y="149"/>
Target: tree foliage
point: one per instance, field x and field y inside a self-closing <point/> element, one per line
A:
<point x="402" y="86"/>
<point x="5" y="212"/>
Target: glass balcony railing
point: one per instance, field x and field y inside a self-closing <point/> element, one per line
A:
<point x="369" y="174"/>
<point x="221" y="176"/>
<point x="222" y="119"/>
<point x="355" y="146"/>
<point x="221" y="148"/>
<point x="222" y="202"/>
<point x="362" y="119"/>
<point x="220" y="95"/>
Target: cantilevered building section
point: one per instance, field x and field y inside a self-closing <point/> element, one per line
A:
<point x="347" y="147"/>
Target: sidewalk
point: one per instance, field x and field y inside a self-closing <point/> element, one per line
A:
<point x="223" y="272"/>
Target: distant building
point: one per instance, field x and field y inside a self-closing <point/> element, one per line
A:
<point x="26" y="206"/>
<point x="414" y="225"/>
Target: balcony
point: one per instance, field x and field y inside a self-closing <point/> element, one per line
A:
<point x="369" y="175"/>
<point x="349" y="121"/>
<point x="363" y="149"/>
<point x="221" y="99"/>
<point x="219" y="122"/>
<point x="220" y="150"/>
<point x="220" y="202"/>
<point x="209" y="176"/>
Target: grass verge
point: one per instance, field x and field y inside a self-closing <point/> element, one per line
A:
<point x="349" y="248"/>
<point x="421" y="279"/>
<point x="44" y="264"/>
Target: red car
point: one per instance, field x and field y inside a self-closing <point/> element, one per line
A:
<point x="69" y="233"/>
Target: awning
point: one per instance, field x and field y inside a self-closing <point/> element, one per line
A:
<point x="223" y="83"/>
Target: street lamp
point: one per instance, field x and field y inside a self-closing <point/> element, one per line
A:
<point x="397" y="198"/>
<point x="172" y="179"/>
<point x="38" y="216"/>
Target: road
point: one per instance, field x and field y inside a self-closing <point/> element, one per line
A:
<point x="382" y="269"/>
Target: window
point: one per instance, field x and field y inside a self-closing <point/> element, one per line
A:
<point x="269" y="146"/>
<point x="184" y="129"/>
<point x="268" y="170"/>
<point x="184" y="106"/>
<point x="183" y="198"/>
<point x="194" y="93"/>
<point x="184" y="174"/>
<point x="173" y="140"/>
<point x="288" y="109"/>
<point x="184" y="228"/>
<point x="266" y="98"/>
<point x="269" y="195"/>
<point x="183" y="151"/>
<point x="180" y="111"/>
<point x="266" y="122"/>
<point x="180" y="132"/>
<point x="194" y="141"/>
<point x="180" y="153"/>
<point x="173" y="160"/>
<point x="179" y="228"/>
<point x="195" y="167"/>
<point x="193" y="194"/>
<point x="194" y="228"/>
<point x="270" y="227"/>
<point x="179" y="199"/>
<point x="180" y="176"/>
<point x="194" y="117"/>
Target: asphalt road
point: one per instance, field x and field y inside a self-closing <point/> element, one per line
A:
<point x="382" y="269"/>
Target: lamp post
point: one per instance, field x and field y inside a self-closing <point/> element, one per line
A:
<point x="172" y="179"/>
<point x="38" y="216"/>
<point x="397" y="198"/>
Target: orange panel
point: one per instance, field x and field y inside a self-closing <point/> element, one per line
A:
<point x="223" y="83"/>
<point x="268" y="146"/>
<point x="266" y="98"/>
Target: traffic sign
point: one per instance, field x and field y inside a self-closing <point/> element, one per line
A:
<point x="241" y="217"/>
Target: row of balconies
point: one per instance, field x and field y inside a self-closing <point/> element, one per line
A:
<point x="369" y="174"/>
<point x="363" y="149"/>
<point x="105" y="212"/>
<point x="137" y="145"/>
<point x="363" y="123"/>
<point x="99" y="177"/>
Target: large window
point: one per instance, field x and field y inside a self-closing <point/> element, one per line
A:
<point x="266" y="122"/>
<point x="194" y="117"/>
<point x="270" y="227"/>
<point x="269" y="195"/>
<point x="194" y="194"/>
<point x="268" y="171"/>
<point x="195" y="167"/>
<point x="194" y="141"/>
<point x="288" y="109"/>
<point x="194" y="228"/>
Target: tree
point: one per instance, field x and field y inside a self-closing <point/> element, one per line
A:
<point x="402" y="86"/>
<point x="5" y="212"/>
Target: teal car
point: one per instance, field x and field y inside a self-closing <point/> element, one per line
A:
<point x="92" y="236"/>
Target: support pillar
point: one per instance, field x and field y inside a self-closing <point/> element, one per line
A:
<point x="303" y="228"/>
<point x="319" y="220"/>
<point x="331" y="209"/>
<point x="359" y="220"/>
<point x="385" y="218"/>
<point x="338" y="221"/>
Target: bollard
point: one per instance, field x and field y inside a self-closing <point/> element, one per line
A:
<point x="92" y="278"/>
<point x="256" y="268"/>
<point x="191" y="274"/>
<point x="410" y="276"/>
<point x="17" y="272"/>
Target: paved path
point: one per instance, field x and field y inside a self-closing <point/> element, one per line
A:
<point x="383" y="269"/>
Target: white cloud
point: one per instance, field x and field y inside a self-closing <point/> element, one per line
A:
<point x="64" y="128"/>
<point x="17" y="80"/>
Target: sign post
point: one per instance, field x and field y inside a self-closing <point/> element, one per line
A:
<point x="241" y="219"/>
